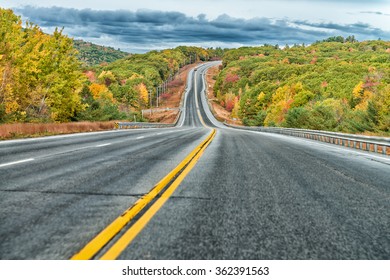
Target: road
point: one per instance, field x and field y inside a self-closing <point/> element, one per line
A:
<point x="251" y="195"/>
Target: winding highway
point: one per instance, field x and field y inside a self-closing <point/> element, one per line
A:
<point x="242" y="195"/>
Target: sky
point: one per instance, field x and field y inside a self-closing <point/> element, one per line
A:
<point x="141" y="26"/>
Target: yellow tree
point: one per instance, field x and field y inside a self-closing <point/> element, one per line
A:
<point x="101" y="92"/>
<point x="10" y="40"/>
<point x="39" y="72"/>
<point x="236" y="108"/>
<point x="106" y="77"/>
<point x="381" y="101"/>
<point x="280" y="104"/>
<point x="285" y="98"/>
<point x="361" y="95"/>
<point x="143" y="93"/>
<point x="61" y="77"/>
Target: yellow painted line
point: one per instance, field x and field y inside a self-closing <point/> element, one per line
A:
<point x="98" y="242"/>
<point x="132" y="232"/>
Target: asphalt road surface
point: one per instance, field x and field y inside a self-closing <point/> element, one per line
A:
<point x="251" y="195"/>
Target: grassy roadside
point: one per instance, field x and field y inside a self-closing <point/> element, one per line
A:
<point x="29" y="130"/>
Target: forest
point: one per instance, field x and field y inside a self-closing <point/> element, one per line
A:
<point x="336" y="85"/>
<point x="44" y="78"/>
<point x="91" y="54"/>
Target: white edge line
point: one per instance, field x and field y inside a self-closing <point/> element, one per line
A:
<point x="103" y="145"/>
<point x="16" y="162"/>
<point x="81" y="134"/>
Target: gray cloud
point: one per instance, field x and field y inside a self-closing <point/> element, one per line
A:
<point x="375" y="13"/>
<point x="147" y="29"/>
<point x="355" y="28"/>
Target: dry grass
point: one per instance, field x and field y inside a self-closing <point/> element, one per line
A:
<point x="25" y="130"/>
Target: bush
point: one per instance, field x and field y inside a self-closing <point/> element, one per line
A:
<point x="298" y="118"/>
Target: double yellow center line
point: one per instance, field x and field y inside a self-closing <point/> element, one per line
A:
<point x="169" y="183"/>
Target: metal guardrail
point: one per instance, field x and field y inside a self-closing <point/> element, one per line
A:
<point x="157" y="110"/>
<point x="374" y="144"/>
<point x="132" y="125"/>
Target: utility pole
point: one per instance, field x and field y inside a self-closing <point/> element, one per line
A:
<point x="150" y="100"/>
<point x="158" y="95"/>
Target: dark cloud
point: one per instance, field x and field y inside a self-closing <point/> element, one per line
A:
<point x="147" y="29"/>
<point x="356" y="28"/>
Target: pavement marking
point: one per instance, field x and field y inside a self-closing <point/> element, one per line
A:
<point x="81" y="134"/>
<point x="16" y="162"/>
<point x="197" y="105"/>
<point x="140" y="137"/>
<point x="172" y="131"/>
<point x="103" y="145"/>
<point x="133" y="231"/>
<point x="105" y="236"/>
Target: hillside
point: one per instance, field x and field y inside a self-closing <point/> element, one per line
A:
<point x="131" y="84"/>
<point x="43" y="80"/>
<point x="328" y="86"/>
<point x="91" y="54"/>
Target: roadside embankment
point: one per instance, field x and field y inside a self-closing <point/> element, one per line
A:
<point x="26" y="130"/>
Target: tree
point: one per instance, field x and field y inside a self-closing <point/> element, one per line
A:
<point x="143" y="93"/>
<point x="107" y="78"/>
<point x="63" y="80"/>
<point x="40" y="75"/>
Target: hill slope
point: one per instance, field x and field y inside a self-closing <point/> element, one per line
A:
<point x="328" y="86"/>
<point x="91" y="54"/>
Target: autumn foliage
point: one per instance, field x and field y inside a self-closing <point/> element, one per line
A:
<point x="40" y="77"/>
<point x="338" y="85"/>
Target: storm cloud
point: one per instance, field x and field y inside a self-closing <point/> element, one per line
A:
<point x="147" y="29"/>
